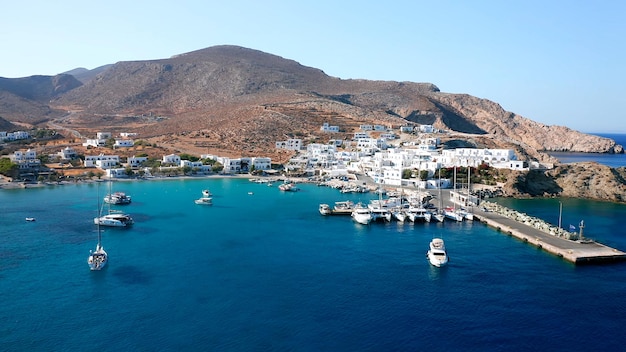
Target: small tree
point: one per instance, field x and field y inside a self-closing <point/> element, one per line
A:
<point x="8" y="168"/>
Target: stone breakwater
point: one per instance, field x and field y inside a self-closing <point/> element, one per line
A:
<point x="529" y="220"/>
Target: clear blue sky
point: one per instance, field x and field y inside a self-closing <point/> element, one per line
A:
<point x="555" y="62"/>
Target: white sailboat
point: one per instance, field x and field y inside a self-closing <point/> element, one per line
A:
<point x="438" y="215"/>
<point x="98" y="258"/>
<point x="467" y="214"/>
<point x="113" y="218"/>
<point x="451" y="212"/>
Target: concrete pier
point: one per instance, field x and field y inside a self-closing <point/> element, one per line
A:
<point x="577" y="252"/>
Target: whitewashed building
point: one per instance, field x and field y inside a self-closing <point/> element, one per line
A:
<point x="102" y="161"/>
<point x="67" y="153"/>
<point x="171" y="159"/>
<point x="388" y="135"/>
<point x="261" y="163"/>
<point x="25" y="159"/>
<point x="117" y="172"/>
<point x="329" y="129"/>
<point x="290" y="144"/>
<point x="13" y="136"/>
<point x="231" y="166"/>
<point x="427" y="129"/>
<point x="380" y="128"/>
<point x="127" y="134"/>
<point x="474" y="157"/>
<point x="135" y="161"/>
<point x="123" y="143"/>
<point x="360" y="135"/>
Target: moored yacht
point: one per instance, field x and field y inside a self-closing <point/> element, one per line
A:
<point x="399" y="214"/>
<point x="361" y="214"/>
<point x="114" y="219"/>
<point x="437" y="254"/>
<point x="438" y="216"/>
<point x="325" y="209"/>
<point x="418" y="214"/>
<point x="288" y="187"/>
<point x="378" y="212"/>
<point x="452" y="214"/>
<point x="204" y="201"/>
<point x="117" y="198"/>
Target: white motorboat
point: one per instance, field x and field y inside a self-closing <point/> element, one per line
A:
<point x="30" y="219"/>
<point x="324" y="209"/>
<point x="344" y="207"/>
<point x="361" y="214"/>
<point x="206" y="193"/>
<point x="204" y="201"/>
<point x="99" y="258"/>
<point x="288" y="187"/>
<point x="117" y="198"/>
<point x="437" y="254"/>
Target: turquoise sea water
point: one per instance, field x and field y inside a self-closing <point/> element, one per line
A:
<point x="266" y="272"/>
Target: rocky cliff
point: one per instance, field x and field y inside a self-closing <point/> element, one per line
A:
<point x="578" y="180"/>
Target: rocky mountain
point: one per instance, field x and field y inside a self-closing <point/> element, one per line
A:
<point x="240" y="100"/>
<point x="84" y="75"/>
<point x="27" y="99"/>
<point x="6" y="125"/>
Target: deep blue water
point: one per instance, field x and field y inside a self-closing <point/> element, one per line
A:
<point x="612" y="160"/>
<point x="266" y="272"/>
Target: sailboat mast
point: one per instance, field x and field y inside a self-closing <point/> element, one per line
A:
<point x="99" y="213"/>
<point x="468" y="185"/>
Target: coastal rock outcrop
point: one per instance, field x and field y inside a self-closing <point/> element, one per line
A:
<point x="493" y="119"/>
<point x="588" y="180"/>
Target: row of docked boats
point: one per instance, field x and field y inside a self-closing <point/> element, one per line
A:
<point x="393" y="209"/>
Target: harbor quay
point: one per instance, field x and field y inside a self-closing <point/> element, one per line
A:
<point x="579" y="251"/>
<point x="570" y="246"/>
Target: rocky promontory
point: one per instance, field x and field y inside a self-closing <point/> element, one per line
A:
<point x="589" y="180"/>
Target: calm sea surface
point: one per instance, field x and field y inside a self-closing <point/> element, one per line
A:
<point x="612" y="160"/>
<point x="266" y="272"/>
